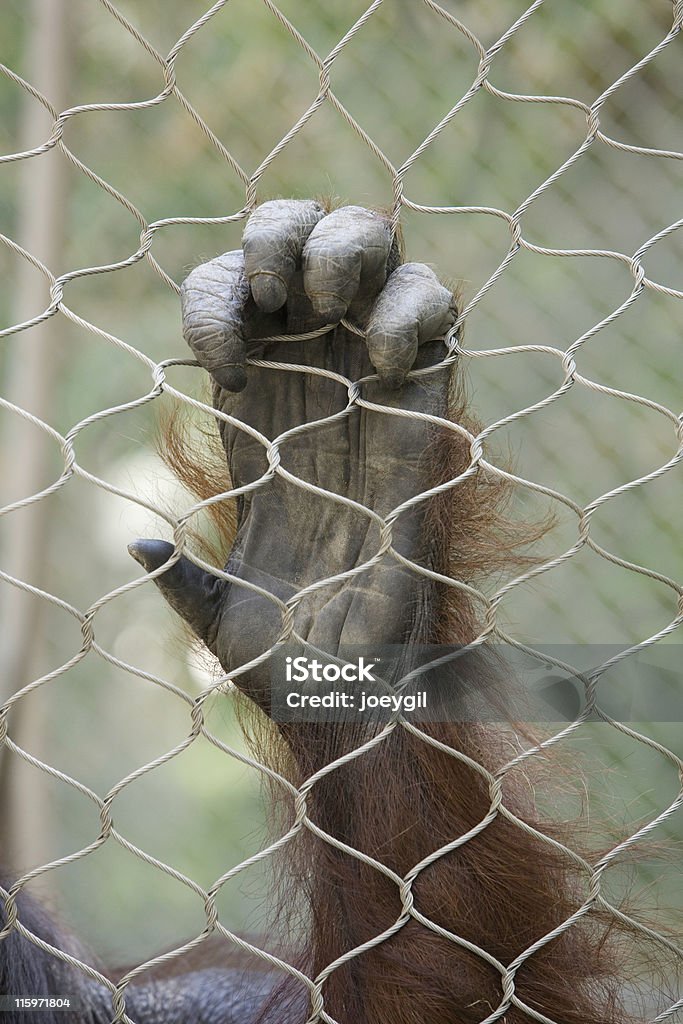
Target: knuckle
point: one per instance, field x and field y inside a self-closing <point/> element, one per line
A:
<point x="204" y="328"/>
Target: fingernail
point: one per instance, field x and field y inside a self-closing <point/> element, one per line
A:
<point x="269" y="291"/>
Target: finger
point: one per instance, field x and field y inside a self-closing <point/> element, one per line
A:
<point x="272" y="242"/>
<point x="194" y="594"/>
<point x="213" y="298"/>
<point x="345" y="255"/>
<point x="413" y="308"/>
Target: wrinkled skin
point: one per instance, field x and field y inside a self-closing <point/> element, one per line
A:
<point x="299" y="270"/>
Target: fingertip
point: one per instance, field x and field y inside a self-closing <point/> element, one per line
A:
<point x="150" y="553"/>
<point x="269" y="290"/>
<point x="272" y="242"/>
<point x="392" y="346"/>
<point x="413" y="309"/>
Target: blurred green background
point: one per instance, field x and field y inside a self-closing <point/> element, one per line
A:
<point x="202" y="812"/>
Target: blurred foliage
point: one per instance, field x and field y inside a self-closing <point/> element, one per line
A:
<point x="250" y="81"/>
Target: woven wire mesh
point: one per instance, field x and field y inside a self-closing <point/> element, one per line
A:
<point x="575" y="289"/>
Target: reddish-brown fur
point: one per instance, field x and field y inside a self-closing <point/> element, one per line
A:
<point x="502" y="890"/>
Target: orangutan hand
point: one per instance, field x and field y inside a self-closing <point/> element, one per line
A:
<point x="301" y="268"/>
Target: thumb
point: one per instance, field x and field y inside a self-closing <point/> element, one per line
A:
<point x="197" y="596"/>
